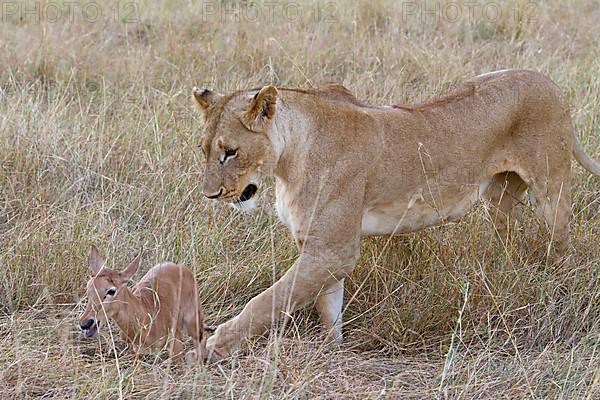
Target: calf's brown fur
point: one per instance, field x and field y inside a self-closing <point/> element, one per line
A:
<point x="156" y="313"/>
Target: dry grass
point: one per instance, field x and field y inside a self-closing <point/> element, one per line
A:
<point x="98" y="144"/>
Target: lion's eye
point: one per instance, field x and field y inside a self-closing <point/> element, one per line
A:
<point x="110" y="292"/>
<point x="228" y="154"/>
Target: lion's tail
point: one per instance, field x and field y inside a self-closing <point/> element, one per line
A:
<point x="583" y="158"/>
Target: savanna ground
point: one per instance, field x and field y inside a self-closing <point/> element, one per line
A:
<point x="98" y="143"/>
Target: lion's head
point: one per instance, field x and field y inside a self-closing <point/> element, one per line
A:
<point x="235" y="142"/>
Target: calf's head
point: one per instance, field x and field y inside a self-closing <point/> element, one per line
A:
<point x="104" y="293"/>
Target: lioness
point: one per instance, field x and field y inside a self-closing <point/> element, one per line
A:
<point x="344" y="169"/>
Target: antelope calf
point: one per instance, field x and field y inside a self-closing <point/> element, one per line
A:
<point x="156" y="313"/>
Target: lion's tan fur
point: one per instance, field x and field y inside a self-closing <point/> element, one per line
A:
<point x="343" y="169"/>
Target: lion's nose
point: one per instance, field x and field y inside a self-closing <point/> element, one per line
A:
<point x="214" y="195"/>
<point x="87" y="324"/>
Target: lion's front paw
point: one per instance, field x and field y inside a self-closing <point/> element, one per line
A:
<point x="223" y="343"/>
<point x="213" y="352"/>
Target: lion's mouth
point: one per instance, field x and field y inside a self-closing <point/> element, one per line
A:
<point x="248" y="193"/>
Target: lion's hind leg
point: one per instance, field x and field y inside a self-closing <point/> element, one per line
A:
<point x="506" y="189"/>
<point x="552" y="203"/>
<point x="329" y="306"/>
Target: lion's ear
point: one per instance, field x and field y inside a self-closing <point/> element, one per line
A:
<point x="262" y="109"/>
<point x="205" y="98"/>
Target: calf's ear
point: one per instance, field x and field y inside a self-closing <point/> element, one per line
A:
<point x="131" y="269"/>
<point x="96" y="261"/>
<point x="261" y="112"/>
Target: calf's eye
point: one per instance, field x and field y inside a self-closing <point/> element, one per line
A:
<point x="110" y="292"/>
